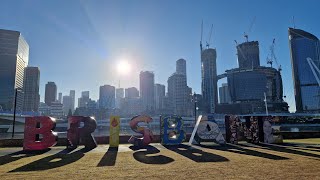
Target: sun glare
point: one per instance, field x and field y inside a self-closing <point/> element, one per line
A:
<point x="123" y="67"/>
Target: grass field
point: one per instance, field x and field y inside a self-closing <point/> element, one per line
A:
<point x="243" y="161"/>
<point x="305" y="141"/>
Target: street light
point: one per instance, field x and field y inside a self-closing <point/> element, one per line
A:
<point x="14" y="110"/>
<point x="195" y="106"/>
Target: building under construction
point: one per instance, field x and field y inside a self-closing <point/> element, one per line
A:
<point x="253" y="88"/>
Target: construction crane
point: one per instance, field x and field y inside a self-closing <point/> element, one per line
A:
<point x="273" y="57"/>
<point x="246" y="36"/>
<point x="240" y="50"/>
<point x="201" y="37"/>
<point x="209" y="39"/>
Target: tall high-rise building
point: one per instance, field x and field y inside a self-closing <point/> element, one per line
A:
<point x="56" y="109"/>
<point x="73" y="96"/>
<point x="147" y="90"/>
<point x="209" y="79"/>
<point x="131" y="92"/>
<point x="84" y="99"/>
<point x="67" y="104"/>
<point x="248" y="55"/>
<point x="177" y="93"/>
<point x="85" y="94"/>
<point x="60" y="97"/>
<point x="50" y="94"/>
<point x="181" y="67"/>
<point x="119" y="96"/>
<point x="14" y="57"/>
<point x="107" y="97"/>
<point x="224" y="94"/>
<point x="305" y="60"/>
<point x="159" y="95"/>
<point x="31" y="89"/>
<point x="119" y="93"/>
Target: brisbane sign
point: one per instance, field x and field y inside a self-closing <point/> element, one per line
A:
<point x="39" y="132"/>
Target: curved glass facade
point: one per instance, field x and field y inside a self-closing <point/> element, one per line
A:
<point x="304" y="45"/>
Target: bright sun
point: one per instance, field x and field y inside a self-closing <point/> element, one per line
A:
<point x="123" y="67"/>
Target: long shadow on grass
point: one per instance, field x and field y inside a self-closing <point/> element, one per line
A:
<point x="109" y="158"/>
<point x="284" y="149"/>
<point x="302" y="147"/>
<point x="19" y="155"/>
<point x="245" y="151"/>
<point x="194" y="154"/>
<point x="146" y="156"/>
<point x="62" y="158"/>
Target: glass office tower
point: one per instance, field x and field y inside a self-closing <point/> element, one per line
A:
<point x="14" y="57"/>
<point x="209" y="79"/>
<point x="304" y="45"/>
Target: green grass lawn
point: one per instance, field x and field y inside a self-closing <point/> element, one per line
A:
<point x="210" y="161"/>
<point x="306" y="141"/>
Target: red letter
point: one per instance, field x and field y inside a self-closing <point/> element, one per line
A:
<point x="36" y="126"/>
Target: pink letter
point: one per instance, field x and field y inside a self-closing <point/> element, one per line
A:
<point x="36" y="127"/>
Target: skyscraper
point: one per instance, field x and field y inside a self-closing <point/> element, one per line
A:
<point x="84" y="99"/>
<point x="31" y="89"/>
<point x="50" y="93"/>
<point x="159" y="94"/>
<point x="131" y="92"/>
<point x="14" y="57"/>
<point x="107" y="97"/>
<point x="56" y="109"/>
<point x="147" y="90"/>
<point x="177" y="93"/>
<point x="209" y="79"/>
<point x="224" y="94"/>
<point x="85" y="94"/>
<point x="60" y="97"/>
<point x="119" y="93"/>
<point x="67" y="104"/>
<point x="119" y="96"/>
<point x="305" y="60"/>
<point x="73" y="96"/>
<point x="248" y="55"/>
<point x="181" y="67"/>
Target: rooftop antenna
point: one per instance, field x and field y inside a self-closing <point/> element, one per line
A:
<point x="201" y="37"/>
<point x="209" y="39"/>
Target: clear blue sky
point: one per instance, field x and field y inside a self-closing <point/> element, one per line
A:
<point x="77" y="43"/>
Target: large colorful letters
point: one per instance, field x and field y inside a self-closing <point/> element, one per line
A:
<point x="114" y="131"/>
<point x="171" y="130"/>
<point x="38" y="134"/>
<point x="147" y="135"/>
<point x="253" y="129"/>
<point x="77" y="133"/>
<point x="232" y="124"/>
<point x="208" y="131"/>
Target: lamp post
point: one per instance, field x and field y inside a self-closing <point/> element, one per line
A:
<point x="195" y="106"/>
<point x="265" y="103"/>
<point x="14" y="111"/>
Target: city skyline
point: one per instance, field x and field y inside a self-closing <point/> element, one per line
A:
<point x="96" y="47"/>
